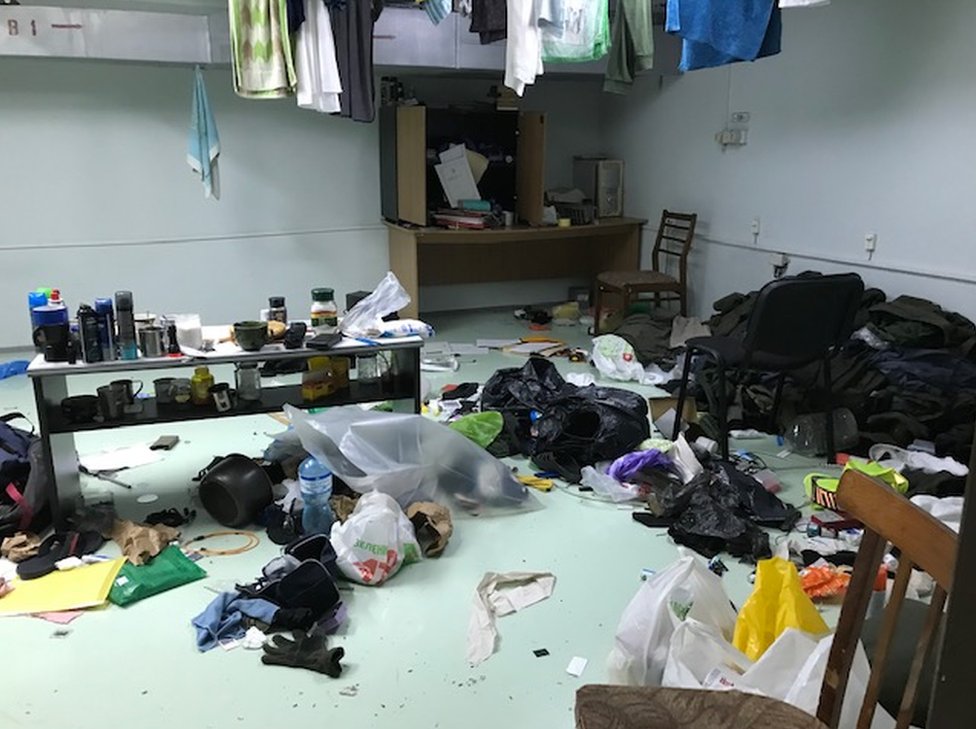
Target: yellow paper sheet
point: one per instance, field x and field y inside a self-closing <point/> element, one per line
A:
<point x="81" y="587"/>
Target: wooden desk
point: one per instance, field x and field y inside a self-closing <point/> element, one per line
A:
<point x="430" y="256"/>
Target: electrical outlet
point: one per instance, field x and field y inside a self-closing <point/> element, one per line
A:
<point x="755" y="227"/>
<point x="740" y="117"/>
<point x="870" y="242"/>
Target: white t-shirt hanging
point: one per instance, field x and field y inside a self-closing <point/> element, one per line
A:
<point x="523" y="49"/>
<point x="319" y="85"/>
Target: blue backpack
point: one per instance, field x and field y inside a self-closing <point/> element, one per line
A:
<point x="23" y="479"/>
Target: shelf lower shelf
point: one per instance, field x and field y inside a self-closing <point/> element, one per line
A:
<point x="273" y="399"/>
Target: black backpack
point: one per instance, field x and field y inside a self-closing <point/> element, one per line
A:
<point x="24" y="481"/>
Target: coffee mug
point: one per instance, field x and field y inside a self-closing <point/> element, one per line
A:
<point x="110" y="403"/>
<point x="164" y="390"/>
<point x="53" y="340"/>
<point x="126" y="388"/>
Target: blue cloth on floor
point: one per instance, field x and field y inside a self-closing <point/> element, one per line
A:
<point x="719" y="34"/>
<point x="203" y="143"/>
<point x="12" y="368"/>
<point x="223" y="618"/>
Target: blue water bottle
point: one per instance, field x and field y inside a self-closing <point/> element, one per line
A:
<point x="315" y="480"/>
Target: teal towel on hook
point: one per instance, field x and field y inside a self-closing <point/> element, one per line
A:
<point x="203" y="144"/>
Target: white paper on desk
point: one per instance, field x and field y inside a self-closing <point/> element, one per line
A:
<point x="499" y="594"/>
<point x="118" y="458"/>
<point x="496" y="343"/>
<point x="435" y="348"/>
<point x="457" y="180"/>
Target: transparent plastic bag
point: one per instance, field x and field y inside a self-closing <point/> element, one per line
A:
<point x="367" y="315"/>
<point x="410" y="458"/>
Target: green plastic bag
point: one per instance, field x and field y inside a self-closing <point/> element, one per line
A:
<point x="168" y="569"/>
<point x="581" y="32"/>
<point x="482" y="428"/>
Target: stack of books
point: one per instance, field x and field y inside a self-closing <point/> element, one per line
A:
<point x="457" y="218"/>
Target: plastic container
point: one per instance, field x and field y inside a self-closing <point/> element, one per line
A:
<point x="200" y="385"/>
<point x="324" y="312"/>
<point x="315" y="482"/>
<point x="807" y="434"/>
<point x="105" y="310"/>
<point x="318" y="381"/>
<point x="277" y="310"/>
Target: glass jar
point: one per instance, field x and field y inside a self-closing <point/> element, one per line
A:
<point x="248" y="379"/>
<point x="200" y="385"/>
<point x="277" y="310"/>
<point x="324" y="312"/>
<point x="368" y="369"/>
<point x="340" y="372"/>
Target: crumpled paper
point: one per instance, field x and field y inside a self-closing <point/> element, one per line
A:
<point x="141" y="542"/>
<point x="432" y="525"/>
<point x="343" y="506"/>
<point x="20" y="546"/>
<point x="499" y="594"/>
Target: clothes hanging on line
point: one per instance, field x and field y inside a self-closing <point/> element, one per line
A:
<point x="352" y="29"/>
<point x="203" y="141"/>
<point x="437" y="10"/>
<point x="319" y="86"/>
<point x="261" y="49"/>
<point x="574" y="30"/>
<point x="296" y="14"/>
<point x="489" y="19"/>
<point x="715" y="35"/>
<point x="523" y="51"/>
<point x="631" y="45"/>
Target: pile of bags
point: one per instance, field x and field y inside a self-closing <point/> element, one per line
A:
<point x="680" y="630"/>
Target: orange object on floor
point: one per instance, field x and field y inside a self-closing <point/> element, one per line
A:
<point x="822" y="582"/>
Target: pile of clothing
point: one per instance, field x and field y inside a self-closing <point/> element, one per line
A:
<point x="908" y="374"/>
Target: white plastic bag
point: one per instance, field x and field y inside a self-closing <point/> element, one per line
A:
<point x="700" y="657"/>
<point x="643" y="636"/>
<point x="409" y="457"/>
<point x="367" y="315"/>
<point x="790" y="670"/>
<point x="375" y="541"/>
<point x="615" y="358"/>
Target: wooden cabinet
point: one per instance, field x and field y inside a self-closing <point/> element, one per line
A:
<point x="412" y="136"/>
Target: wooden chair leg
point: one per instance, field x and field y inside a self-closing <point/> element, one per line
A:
<point x="657" y="299"/>
<point x="683" y="296"/>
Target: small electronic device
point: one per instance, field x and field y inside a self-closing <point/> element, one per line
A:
<point x="325" y="341"/>
<point x="165" y="443"/>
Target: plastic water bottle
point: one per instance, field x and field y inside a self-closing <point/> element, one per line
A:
<point x="807" y="434"/>
<point x="315" y="481"/>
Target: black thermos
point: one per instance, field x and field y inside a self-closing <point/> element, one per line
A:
<point x="125" y="319"/>
<point x="91" y="346"/>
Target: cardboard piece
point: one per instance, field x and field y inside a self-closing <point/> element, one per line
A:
<point x="432" y="526"/>
<point x="141" y="542"/>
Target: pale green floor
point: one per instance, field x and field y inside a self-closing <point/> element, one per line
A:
<point x="404" y="642"/>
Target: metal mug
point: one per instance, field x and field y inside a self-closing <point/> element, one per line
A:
<point x="151" y="341"/>
<point x="164" y="390"/>
<point x="110" y="403"/>
<point x="125" y="388"/>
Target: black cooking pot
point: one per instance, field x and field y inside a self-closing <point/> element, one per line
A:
<point x="235" y="491"/>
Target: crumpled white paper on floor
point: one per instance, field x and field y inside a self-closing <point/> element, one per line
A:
<point x="499" y="594"/>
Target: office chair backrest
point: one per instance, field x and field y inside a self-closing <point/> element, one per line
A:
<point x="925" y="543"/>
<point x="800" y="318"/>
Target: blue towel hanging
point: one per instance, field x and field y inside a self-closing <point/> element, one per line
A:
<point x="203" y="143"/>
<point x="717" y="34"/>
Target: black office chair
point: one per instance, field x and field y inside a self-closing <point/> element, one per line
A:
<point x="795" y="321"/>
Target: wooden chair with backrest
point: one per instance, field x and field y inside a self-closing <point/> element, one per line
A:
<point x="924" y="542"/>
<point x="674" y="236"/>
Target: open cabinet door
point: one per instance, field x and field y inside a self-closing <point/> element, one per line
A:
<point x="530" y="167"/>
<point x="411" y="164"/>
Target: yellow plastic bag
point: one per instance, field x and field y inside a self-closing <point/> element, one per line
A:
<point x="777" y="602"/>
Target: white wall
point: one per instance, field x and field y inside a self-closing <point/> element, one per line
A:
<point x="96" y="195"/>
<point x="862" y="124"/>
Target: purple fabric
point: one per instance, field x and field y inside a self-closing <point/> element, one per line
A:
<point x="626" y="467"/>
